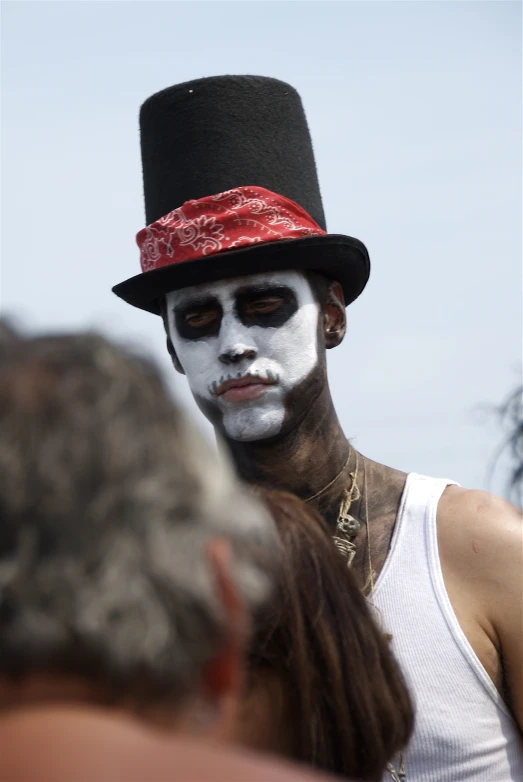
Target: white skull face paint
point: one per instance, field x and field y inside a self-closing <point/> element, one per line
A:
<point x="244" y="344"/>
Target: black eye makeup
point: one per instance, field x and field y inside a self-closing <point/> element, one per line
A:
<point x="266" y="306"/>
<point x="199" y="318"/>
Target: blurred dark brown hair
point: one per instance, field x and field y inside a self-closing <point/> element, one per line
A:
<point x="346" y="704"/>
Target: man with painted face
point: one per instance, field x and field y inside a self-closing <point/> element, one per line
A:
<point x="252" y="291"/>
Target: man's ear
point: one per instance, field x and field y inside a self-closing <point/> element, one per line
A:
<point x="223" y="674"/>
<point x="334" y="317"/>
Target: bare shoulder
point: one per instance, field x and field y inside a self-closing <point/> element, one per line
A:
<point x="479" y="535"/>
<point x="480" y="539"/>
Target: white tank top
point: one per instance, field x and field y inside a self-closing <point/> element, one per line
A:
<point x="463" y="730"/>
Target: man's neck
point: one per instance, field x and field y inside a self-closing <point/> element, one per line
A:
<point x="302" y="460"/>
<point x="307" y="459"/>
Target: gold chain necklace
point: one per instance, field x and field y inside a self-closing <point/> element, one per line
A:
<point x="399" y="775"/>
<point x="331" y="483"/>
<point x="347" y="527"/>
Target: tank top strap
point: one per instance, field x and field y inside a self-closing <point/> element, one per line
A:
<point x="417" y="514"/>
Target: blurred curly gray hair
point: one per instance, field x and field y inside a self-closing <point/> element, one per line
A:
<point x="108" y="499"/>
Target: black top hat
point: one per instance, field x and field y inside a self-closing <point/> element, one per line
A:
<point x="248" y="135"/>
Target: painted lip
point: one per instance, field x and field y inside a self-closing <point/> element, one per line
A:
<point x="247" y="387"/>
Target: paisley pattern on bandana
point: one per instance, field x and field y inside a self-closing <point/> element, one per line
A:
<point x="226" y="221"/>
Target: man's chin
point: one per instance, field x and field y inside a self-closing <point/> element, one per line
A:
<point x="250" y="422"/>
<point x="256" y="435"/>
<point x="244" y="420"/>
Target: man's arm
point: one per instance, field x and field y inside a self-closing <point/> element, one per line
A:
<point x="481" y="547"/>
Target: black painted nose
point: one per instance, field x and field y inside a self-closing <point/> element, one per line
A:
<point x="235" y="356"/>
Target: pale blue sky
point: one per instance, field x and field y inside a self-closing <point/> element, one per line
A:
<point x="415" y="113"/>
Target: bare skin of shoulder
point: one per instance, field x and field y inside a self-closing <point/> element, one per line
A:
<point x="480" y="539"/>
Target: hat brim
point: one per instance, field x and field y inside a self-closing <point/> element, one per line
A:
<point x="340" y="257"/>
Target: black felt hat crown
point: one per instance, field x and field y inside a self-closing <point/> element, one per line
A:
<point x="238" y="136"/>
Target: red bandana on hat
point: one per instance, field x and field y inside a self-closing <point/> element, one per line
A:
<point x="227" y="221"/>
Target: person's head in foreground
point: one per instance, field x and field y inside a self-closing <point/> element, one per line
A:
<point x="130" y="559"/>
<point x="322" y="685"/>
